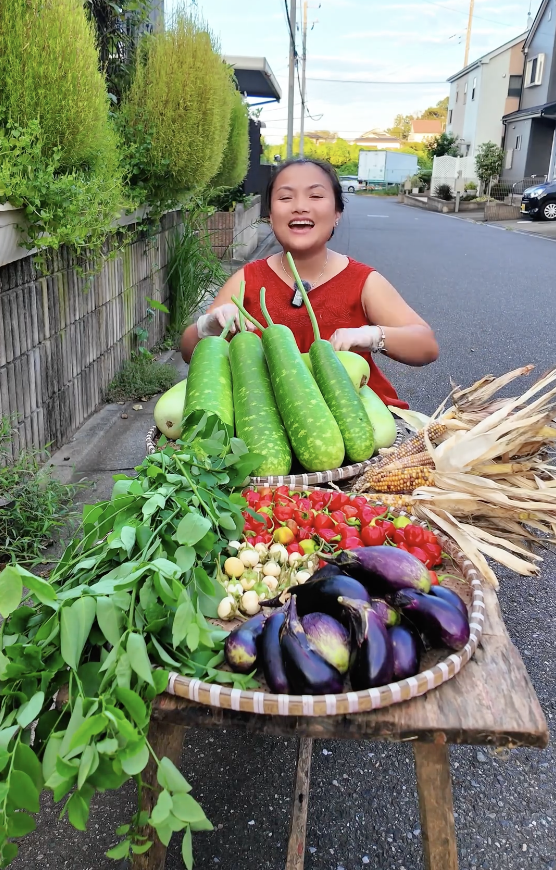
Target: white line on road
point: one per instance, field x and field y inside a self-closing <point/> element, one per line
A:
<point x="379" y="215"/>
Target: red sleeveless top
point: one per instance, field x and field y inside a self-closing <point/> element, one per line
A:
<point x="336" y="303"/>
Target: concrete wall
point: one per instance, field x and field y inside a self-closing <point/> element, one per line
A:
<point x="540" y="147"/>
<point x="234" y="234"/>
<point x="62" y="339"/>
<point x="519" y="127"/>
<point x="493" y="99"/>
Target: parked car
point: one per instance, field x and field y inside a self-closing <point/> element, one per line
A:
<point x="350" y="183"/>
<point x="539" y="202"/>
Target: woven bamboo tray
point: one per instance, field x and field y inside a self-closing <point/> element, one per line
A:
<point x="439" y="666"/>
<point x="345" y="472"/>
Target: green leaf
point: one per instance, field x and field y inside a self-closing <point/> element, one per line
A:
<point x="141" y="848"/>
<point x="122" y="830"/>
<point x="119" y="851"/>
<point x="203" y="825"/>
<point x="139" y="657"/>
<point x="108" y="618"/>
<point x="88" y="765"/>
<point x="182" y="621"/>
<point x="192" y="528"/>
<point x="187" y="849"/>
<point x="170" y="778"/>
<point x="29" y="711"/>
<point x="162" y="809"/>
<point x="20" y="824"/>
<point x="135" y="762"/>
<point x="5" y="757"/>
<point x="121" y="487"/>
<point x="186" y="808"/>
<point x="26" y="760"/>
<point x="23" y="792"/>
<point x="66" y="769"/>
<point x="165" y="657"/>
<point x="193" y="636"/>
<point x="127" y="537"/>
<point x="152" y="303"/>
<point x="154" y="503"/>
<point x="160" y="681"/>
<point x="90" y="727"/>
<point x="108" y="746"/>
<point x="167" y="568"/>
<point x="227" y="521"/>
<point x="53" y="748"/>
<point x="40" y="588"/>
<point x="78" y="812"/>
<point x="75" y="623"/>
<point x="204" y="582"/>
<point x="6" y="735"/>
<point x="134" y="705"/>
<point x="185" y="557"/>
<point x="75" y="721"/>
<point x="11" y="588"/>
<point x="123" y="671"/>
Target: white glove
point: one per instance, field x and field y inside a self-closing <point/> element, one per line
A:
<point x="364" y="338"/>
<point x="214" y="321"/>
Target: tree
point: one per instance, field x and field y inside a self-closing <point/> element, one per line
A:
<point x="118" y="28"/>
<point x="438" y="112"/>
<point x="339" y="152"/>
<point x="235" y="160"/>
<point x="444" y="145"/>
<point x="488" y="161"/>
<point x="402" y="126"/>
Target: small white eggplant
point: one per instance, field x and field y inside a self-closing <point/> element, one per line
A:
<point x="249" y="557"/>
<point x="271" y="569"/>
<point x="250" y="603"/>
<point x="279" y="553"/>
<point x="227" y="608"/>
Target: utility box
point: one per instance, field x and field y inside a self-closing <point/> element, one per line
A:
<point x="386" y="167"/>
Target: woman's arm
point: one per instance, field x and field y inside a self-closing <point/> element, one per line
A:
<point x="222" y="309"/>
<point x="408" y="338"/>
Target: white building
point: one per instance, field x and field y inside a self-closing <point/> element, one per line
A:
<point x="482" y="93"/>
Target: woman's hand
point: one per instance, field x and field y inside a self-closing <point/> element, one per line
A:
<point x="364" y="338"/>
<point x="214" y="321"/>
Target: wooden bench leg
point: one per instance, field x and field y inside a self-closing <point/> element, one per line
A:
<point x="165" y="739"/>
<point x="298" y="825"/>
<point x="434" y="785"/>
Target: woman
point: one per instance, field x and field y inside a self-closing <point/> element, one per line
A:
<point x="356" y="308"/>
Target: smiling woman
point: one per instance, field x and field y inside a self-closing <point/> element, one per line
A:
<point x="357" y="309"/>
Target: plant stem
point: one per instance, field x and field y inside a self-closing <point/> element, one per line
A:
<point x="249" y="317"/>
<point x="264" y="309"/>
<point x="241" y="299"/>
<point x="225" y="331"/>
<point x="303" y="292"/>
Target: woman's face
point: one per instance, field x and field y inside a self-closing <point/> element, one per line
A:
<point x="303" y="210"/>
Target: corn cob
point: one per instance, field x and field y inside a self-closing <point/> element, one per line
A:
<point x="393" y="500"/>
<point x="423" y="459"/>
<point x="401" y="480"/>
<point x="413" y="445"/>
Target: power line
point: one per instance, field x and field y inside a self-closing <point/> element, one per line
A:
<point x="459" y="12"/>
<point x="367" y="82"/>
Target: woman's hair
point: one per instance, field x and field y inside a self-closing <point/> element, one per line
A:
<point x="326" y="167"/>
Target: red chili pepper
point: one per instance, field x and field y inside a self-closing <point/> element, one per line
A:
<point x="350" y="543"/>
<point x="366" y="515"/>
<point x="337" y="500"/>
<point x="266" y="492"/>
<point x="434" y="551"/>
<point x="403" y="547"/>
<point x="414" y="536"/>
<point x="306" y="534"/>
<point x="258" y="539"/>
<point x="303" y="518"/>
<point x="266" y="501"/>
<point x="351" y="511"/>
<point x="293" y="548"/>
<point x="343" y="529"/>
<point x="338" y="516"/>
<point x="430" y="537"/>
<point x="316" y="496"/>
<point x="434" y="579"/>
<point x="323" y="521"/>
<point x="291" y="524"/>
<point x="359" y="501"/>
<point x="283" y="513"/>
<point x="252" y="497"/>
<point x="329" y="535"/>
<point x="387" y="526"/>
<point x="304" y="504"/>
<point x="354" y="522"/>
<point x="419" y="554"/>
<point x="267" y="538"/>
<point x="398" y="537"/>
<point x="373" y="536"/>
<point x="281" y="490"/>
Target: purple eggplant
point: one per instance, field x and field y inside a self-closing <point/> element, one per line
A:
<point x="387" y="613"/>
<point x="241" y="647"/>
<point x="307" y="672"/>
<point x="322" y="595"/>
<point x="374" y="660"/>
<point x="406" y="650"/>
<point x="442" y="623"/>
<point x="451" y="597"/>
<point x="329" y="638"/>
<point x="271" y="654"/>
<point x="383" y="569"/>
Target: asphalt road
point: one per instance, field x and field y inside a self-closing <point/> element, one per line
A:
<point x="488" y="294"/>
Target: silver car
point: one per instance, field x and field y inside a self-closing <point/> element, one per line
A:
<point x="350" y="183"/>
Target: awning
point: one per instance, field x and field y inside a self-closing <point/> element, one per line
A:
<point x="546" y="110"/>
<point x="254" y="77"/>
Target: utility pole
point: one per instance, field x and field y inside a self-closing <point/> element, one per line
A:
<point x="303" y="80"/>
<point x="291" y="80"/>
<point x="468" y="38"/>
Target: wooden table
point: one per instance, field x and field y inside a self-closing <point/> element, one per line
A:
<point x="491" y="702"/>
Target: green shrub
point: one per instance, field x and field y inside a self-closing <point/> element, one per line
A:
<point x="140" y="378"/>
<point x="443" y="191"/>
<point x="470" y="185"/>
<point x="235" y="160"/>
<point x="176" y="116"/>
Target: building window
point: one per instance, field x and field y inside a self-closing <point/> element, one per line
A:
<point x="467" y="149"/>
<point x="465" y="93"/>
<point x="450" y="116"/>
<point x="474" y="89"/>
<point x="534" y="70"/>
<point x="518" y="143"/>
<point x="514" y="88"/>
<point x="457" y="95"/>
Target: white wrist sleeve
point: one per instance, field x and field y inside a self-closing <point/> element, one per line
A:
<point x="371" y="337"/>
<point x="205" y="325"/>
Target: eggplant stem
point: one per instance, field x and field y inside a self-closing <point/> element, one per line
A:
<point x="304" y="296"/>
<point x="225" y="331"/>
<point x="241" y="299"/>
<point x="264" y="309"/>
<point x="246" y="314"/>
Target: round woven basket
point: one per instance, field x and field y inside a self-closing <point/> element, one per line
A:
<point x="314" y="478"/>
<point x="439" y="666"/>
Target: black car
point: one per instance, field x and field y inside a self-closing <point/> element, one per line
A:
<point x="539" y="202"/>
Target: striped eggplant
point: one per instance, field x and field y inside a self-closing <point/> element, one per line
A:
<point x="374" y="660"/>
<point x="241" y="647"/>
<point x="307" y="672"/>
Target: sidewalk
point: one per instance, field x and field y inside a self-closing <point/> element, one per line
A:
<point x="544" y="229"/>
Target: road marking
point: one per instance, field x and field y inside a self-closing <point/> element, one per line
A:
<point x="379" y="215"/>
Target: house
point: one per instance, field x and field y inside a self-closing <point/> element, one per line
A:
<point x="320" y="136"/>
<point x="423" y="129"/>
<point x="376" y="139"/>
<point x="530" y="140"/>
<point x="482" y="93"/>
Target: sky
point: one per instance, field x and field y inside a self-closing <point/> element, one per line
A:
<point x="412" y="41"/>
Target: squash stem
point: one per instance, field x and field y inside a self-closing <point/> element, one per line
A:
<point x="264" y="309"/>
<point x="225" y="331"/>
<point x="303" y="292"/>
<point x="241" y="299"/>
<point x="246" y="314"/>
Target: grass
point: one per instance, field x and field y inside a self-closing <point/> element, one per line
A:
<point x="140" y="378"/>
<point x="33" y="504"/>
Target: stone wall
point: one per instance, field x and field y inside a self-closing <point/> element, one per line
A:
<point x="63" y="338"/>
